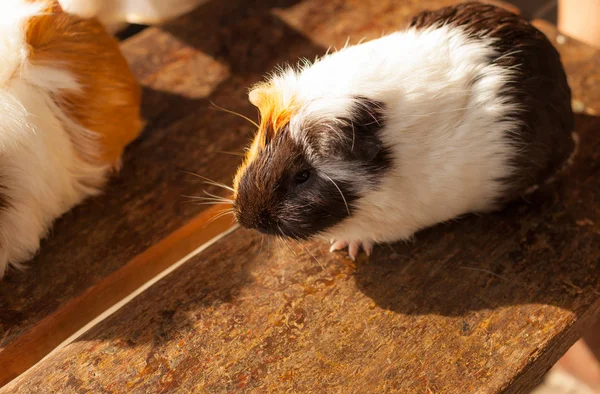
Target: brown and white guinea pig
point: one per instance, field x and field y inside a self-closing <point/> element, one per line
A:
<point x="68" y="107"/>
<point x="463" y="111"/>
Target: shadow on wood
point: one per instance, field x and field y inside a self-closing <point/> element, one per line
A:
<point x="541" y="251"/>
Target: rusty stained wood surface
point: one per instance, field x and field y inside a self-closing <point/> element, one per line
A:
<point x="484" y="304"/>
<point x="138" y="274"/>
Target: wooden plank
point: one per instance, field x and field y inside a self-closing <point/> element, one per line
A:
<point x="485" y="304"/>
<point x="46" y="335"/>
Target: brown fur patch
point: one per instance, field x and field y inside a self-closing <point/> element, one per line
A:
<point x="539" y="86"/>
<point x="275" y="115"/>
<point x="109" y="101"/>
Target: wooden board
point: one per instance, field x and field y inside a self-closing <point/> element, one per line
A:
<point x="485" y="304"/>
<point x="481" y="305"/>
<point x="116" y="289"/>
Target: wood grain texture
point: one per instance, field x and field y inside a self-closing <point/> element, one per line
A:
<point x="49" y="333"/>
<point x="485" y="304"/>
<point x="477" y="306"/>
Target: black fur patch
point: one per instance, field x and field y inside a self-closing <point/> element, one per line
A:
<point x="367" y="147"/>
<point x="270" y="200"/>
<point x="269" y="197"/>
<point x="357" y="140"/>
<point x="539" y="86"/>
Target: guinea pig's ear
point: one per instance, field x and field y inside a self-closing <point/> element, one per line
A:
<point x="364" y="127"/>
<point x="258" y="94"/>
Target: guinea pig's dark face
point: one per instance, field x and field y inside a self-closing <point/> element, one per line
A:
<point x="282" y="193"/>
<point x="300" y="187"/>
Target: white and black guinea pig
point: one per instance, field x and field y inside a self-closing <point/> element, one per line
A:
<point x="68" y="107"/>
<point x="465" y="110"/>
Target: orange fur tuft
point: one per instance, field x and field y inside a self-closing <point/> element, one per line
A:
<point x="108" y="103"/>
<point x="275" y="114"/>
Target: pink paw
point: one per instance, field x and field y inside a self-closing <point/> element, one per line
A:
<point x="353" y="247"/>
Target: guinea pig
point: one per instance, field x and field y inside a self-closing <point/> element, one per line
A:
<point x="463" y="111"/>
<point x="68" y="107"/>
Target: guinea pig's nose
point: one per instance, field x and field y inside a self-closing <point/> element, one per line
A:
<point x="263" y="220"/>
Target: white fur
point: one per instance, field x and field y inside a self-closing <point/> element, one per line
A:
<point x="41" y="176"/>
<point x="449" y="143"/>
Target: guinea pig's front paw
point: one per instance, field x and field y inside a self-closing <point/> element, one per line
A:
<point x="353" y="247"/>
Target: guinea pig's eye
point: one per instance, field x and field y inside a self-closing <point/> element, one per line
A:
<point x="302" y="176"/>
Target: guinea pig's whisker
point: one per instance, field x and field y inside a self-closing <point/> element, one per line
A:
<point x="209" y="200"/>
<point x="215" y="202"/>
<point x="341" y="194"/>
<point x="280" y="243"/>
<point x="219" y="215"/>
<point x="236" y="114"/>
<point x="209" y="203"/>
<point x="216" y="217"/>
<point x="218" y="197"/>
<point x="287" y="244"/>
<point x="285" y="241"/>
<point x="201" y="203"/>
<point x="311" y="255"/>
<point x="262" y="243"/>
<point x="306" y="250"/>
<point x="209" y="181"/>
<point x="222" y="186"/>
<point x="230" y="153"/>
<point x="353" y="135"/>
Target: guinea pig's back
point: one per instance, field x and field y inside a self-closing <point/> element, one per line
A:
<point x="537" y="85"/>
